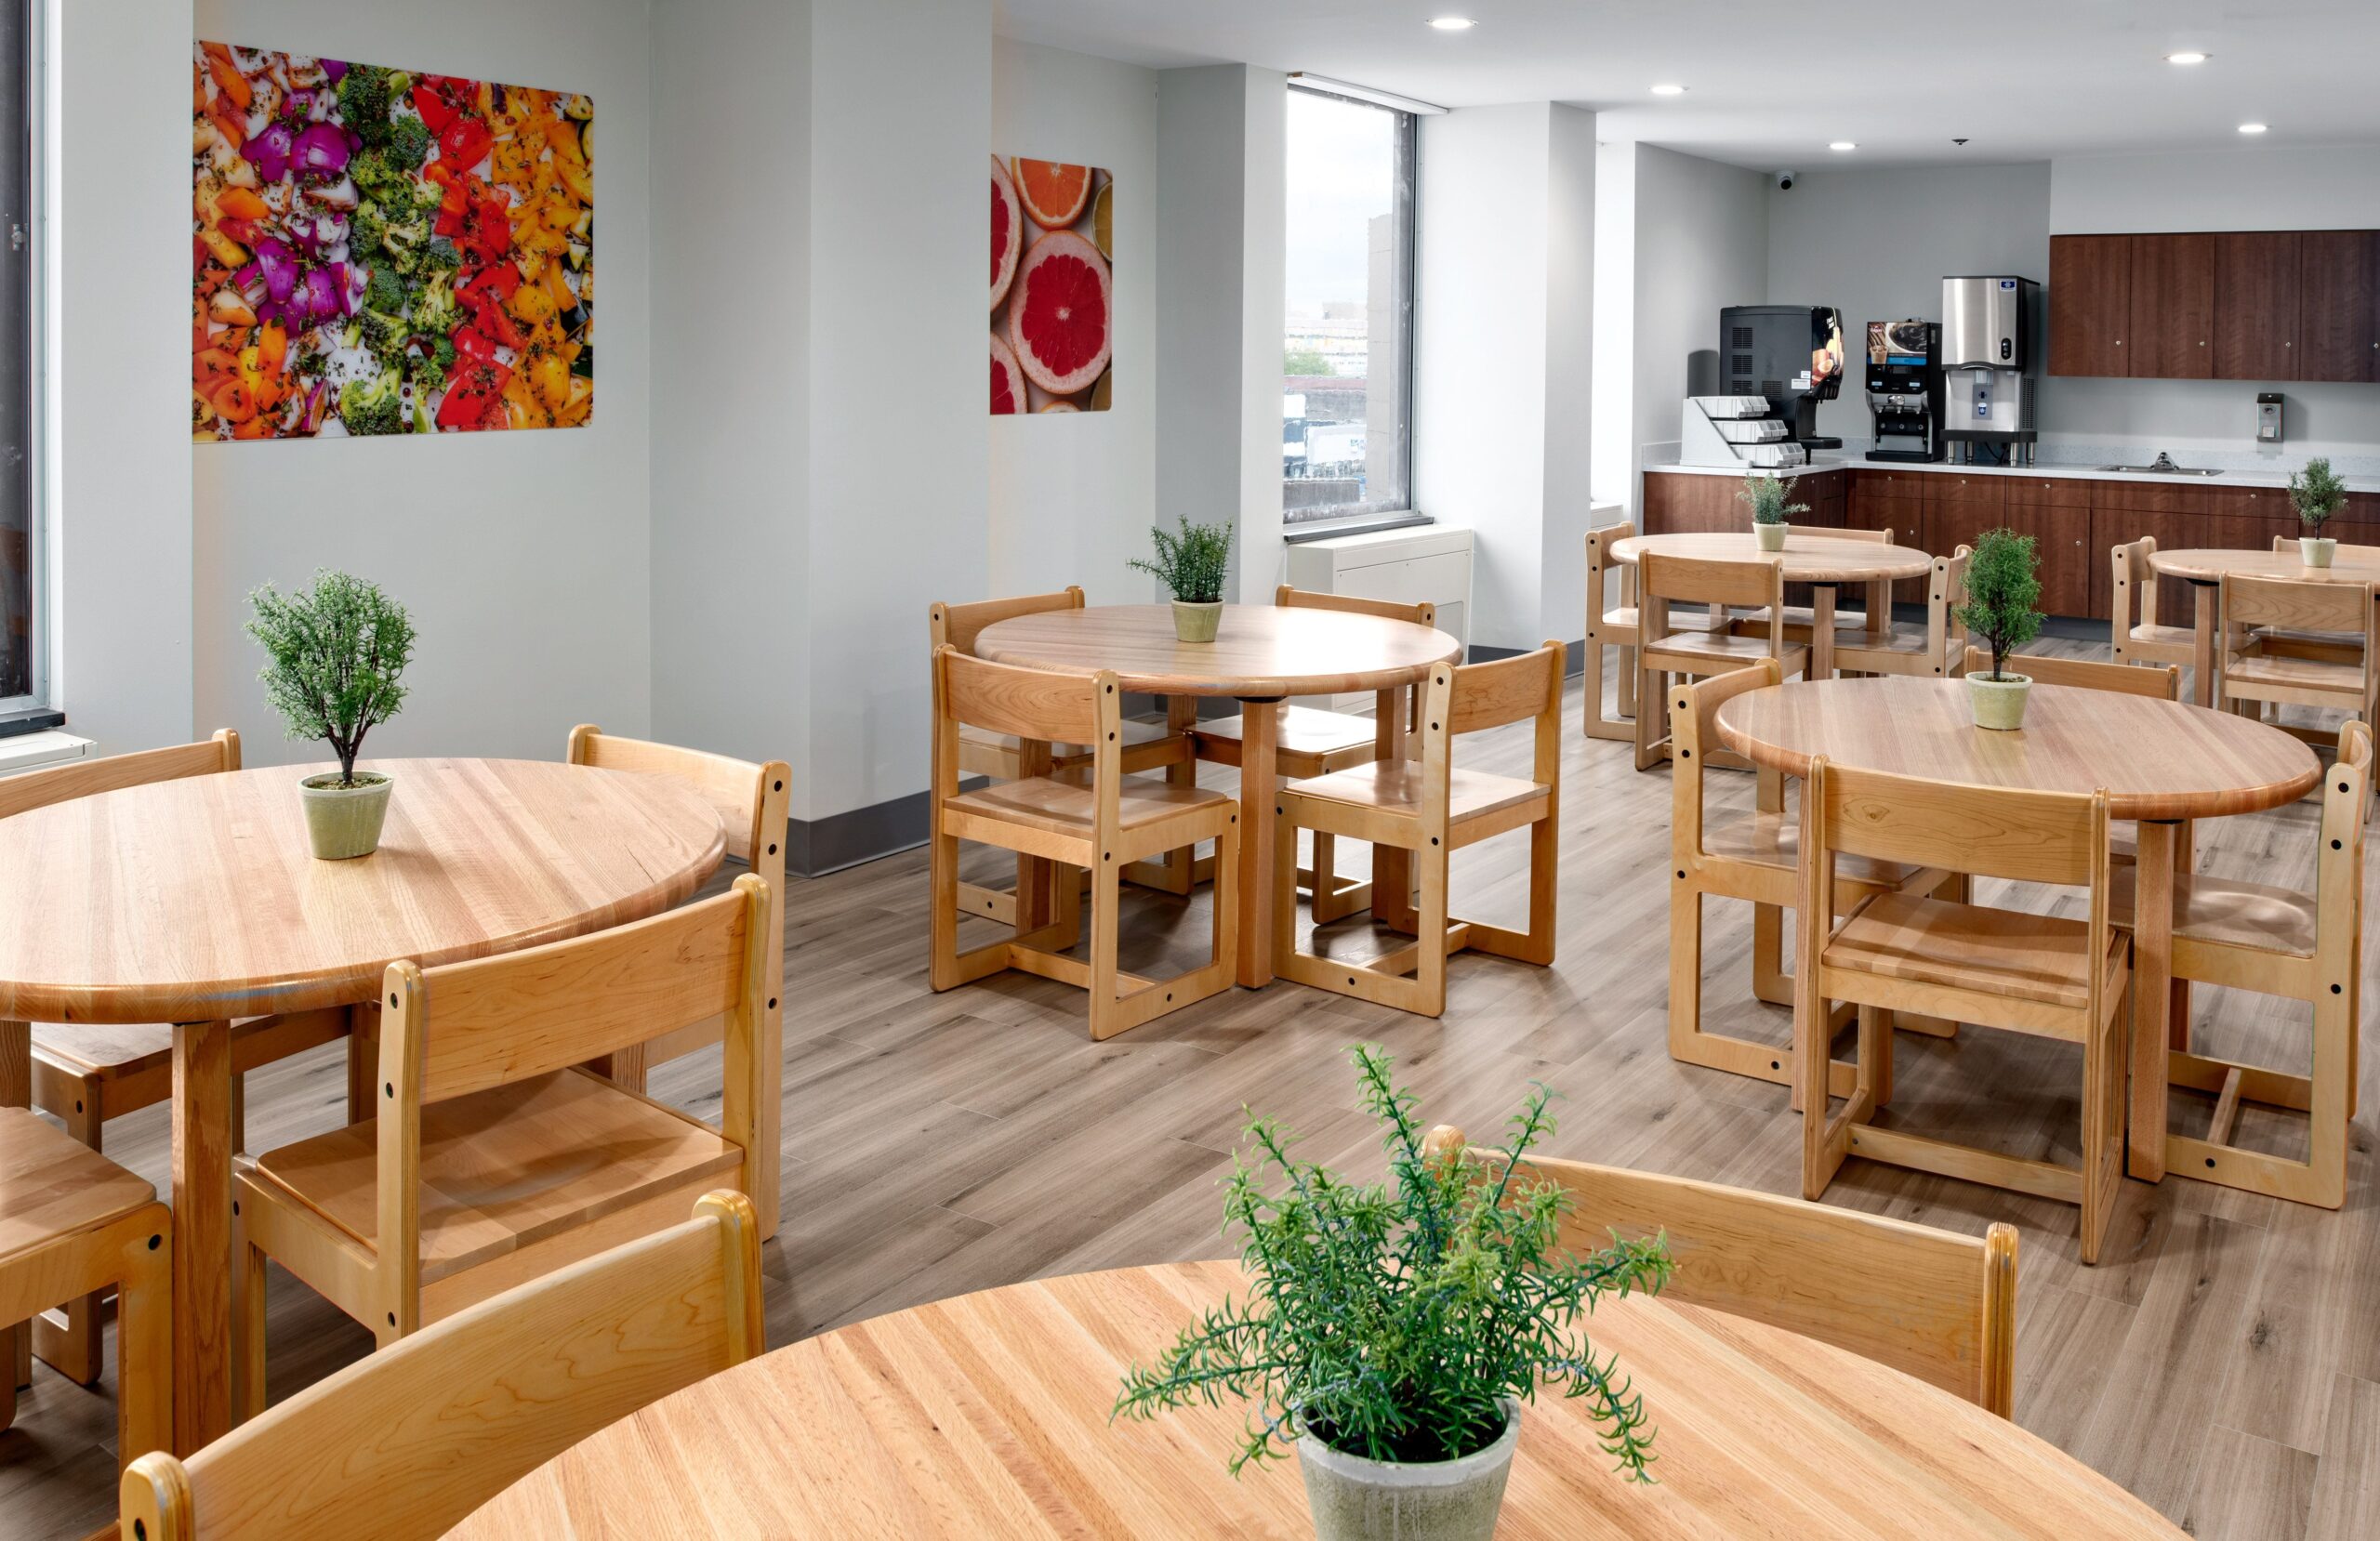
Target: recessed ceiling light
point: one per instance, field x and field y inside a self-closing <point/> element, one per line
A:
<point x="1452" y="23"/>
<point x="2252" y="128"/>
<point x="2188" y="56"/>
<point x="1669" y="90"/>
<point x="1842" y="144"/>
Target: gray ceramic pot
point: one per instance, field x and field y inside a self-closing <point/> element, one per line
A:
<point x="1354" y="1499"/>
<point x="1197" y="623"/>
<point x="344" y="821"/>
<point x="1772" y="536"/>
<point x="2317" y="550"/>
<point x="1999" y="700"/>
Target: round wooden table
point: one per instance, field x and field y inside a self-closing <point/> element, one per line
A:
<point x="1823" y="562"/>
<point x="2204" y="567"/>
<point x="1260" y="654"/>
<point x="2160" y="762"/>
<point x="197" y="901"/>
<point x="988" y="1415"/>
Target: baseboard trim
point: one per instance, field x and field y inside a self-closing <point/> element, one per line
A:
<point x="1573" y="661"/>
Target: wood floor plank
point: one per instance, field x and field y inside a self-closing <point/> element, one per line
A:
<point x="939" y="1143"/>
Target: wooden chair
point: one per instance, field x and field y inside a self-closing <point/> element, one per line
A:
<point x="1315" y="743"/>
<point x="2293" y="643"/>
<point x="2039" y="974"/>
<point x="1089" y="817"/>
<point x="2304" y="947"/>
<point x="1431" y="808"/>
<point x="1664" y="649"/>
<point x="2158" y="683"/>
<point x="1800" y="619"/>
<point x="1756" y="859"/>
<point x="72" y="1223"/>
<point x="1928" y="1303"/>
<point x="85" y="1074"/>
<point x="1004" y="757"/>
<point x="2146" y="640"/>
<point x="407" y="1441"/>
<point x="1935" y="652"/>
<point x="1617" y="627"/>
<point x="495" y="1158"/>
<point x="751" y="800"/>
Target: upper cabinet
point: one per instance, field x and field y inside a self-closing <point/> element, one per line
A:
<point x="2294" y="305"/>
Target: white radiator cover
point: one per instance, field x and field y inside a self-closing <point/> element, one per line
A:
<point x="39" y="751"/>
<point x="1422" y="563"/>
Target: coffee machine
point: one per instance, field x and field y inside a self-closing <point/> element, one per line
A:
<point x="1905" y="389"/>
<point x="1790" y="354"/>
<point x="1989" y="325"/>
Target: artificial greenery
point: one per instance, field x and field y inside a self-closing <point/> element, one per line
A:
<point x="1192" y="564"/>
<point x="1389" y="1319"/>
<point x="2317" y="494"/>
<point x="333" y="657"/>
<point x="1767" y="495"/>
<point x="2004" y="595"/>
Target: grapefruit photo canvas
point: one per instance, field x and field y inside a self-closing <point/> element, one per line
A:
<point x="378" y="251"/>
<point x="1053" y="299"/>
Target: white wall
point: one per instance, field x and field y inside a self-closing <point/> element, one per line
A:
<point x="522" y="556"/>
<point x="1073" y="495"/>
<point x="1614" y="414"/>
<point x="730" y="486"/>
<point x="118" y="443"/>
<point x="1570" y="203"/>
<point x="2263" y="187"/>
<point x="1702" y="246"/>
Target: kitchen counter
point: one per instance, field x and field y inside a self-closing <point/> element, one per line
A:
<point x="2258" y="477"/>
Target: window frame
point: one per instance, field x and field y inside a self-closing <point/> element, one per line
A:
<point x="28" y="242"/>
<point x="1406" y="205"/>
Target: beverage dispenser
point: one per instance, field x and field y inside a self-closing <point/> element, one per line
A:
<point x="1989" y="325"/>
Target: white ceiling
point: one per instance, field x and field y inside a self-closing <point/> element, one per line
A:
<point x="1771" y="84"/>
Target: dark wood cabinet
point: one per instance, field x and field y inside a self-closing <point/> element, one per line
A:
<point x="1684" y="504"/>
<point x="2172" y="308"/>
<point x="2338" y="305"/>
<point x="2255" y="327"/>
<point x="2090" y="304"/>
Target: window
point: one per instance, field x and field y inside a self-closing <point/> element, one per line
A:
<point x="20" y="615"/>
<point x="1347" y="339"/>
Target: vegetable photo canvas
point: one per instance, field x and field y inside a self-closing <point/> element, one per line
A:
<point x="378" y="251"/>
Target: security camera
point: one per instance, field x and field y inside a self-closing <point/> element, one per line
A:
<point x="1785" y="181"/>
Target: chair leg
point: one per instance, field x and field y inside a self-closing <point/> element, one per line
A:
<point x="941" y="966"/>
<point x="2333" y="1102"/>
<point x="1430" y="964"/>
<point x="1284" y="836"/>
<point x="363" y="1062"/>
<point x="144" y="1336"/>
<point x="1224" y="939"/>
<point x="1685" y="967"/>
<point x="247" y="1319"/>
<point x="1813" y="1053"/>
<point x="1651" y="705"/>
<point x="68" y="1339"/>
<point x="1626" y="688"/>
<point x="1106" y="1019"/>
<point x="2103" y="1124"/>
<point x="1876" y="1053"/>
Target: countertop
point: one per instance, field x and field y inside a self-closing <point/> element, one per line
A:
<point x="2276" y="476"/>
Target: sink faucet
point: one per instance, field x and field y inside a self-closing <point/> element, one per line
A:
<point x="2164" y="463"/>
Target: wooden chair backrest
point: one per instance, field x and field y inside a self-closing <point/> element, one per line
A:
<point x="2133" y="575"/>
<point x="2358" y="553"/>
<point x="1423" y="614"/>
<point x="1031" y="704"/>
<point x="1694" y="710"/>
<point x="1882" y="537"/>
<point x="1510" y="690"/>
<point x="1600" y="566"/>
<point x="1704" y="580"/>
<point x="407" y="1441"/>
<point x="2338" y="865"/>
<point x="1931" y="1304"/>
<point x="2059" y="838"/>
<point x="958" y="626"/>
<point x="750" y="799"/>
<point x="34" y="789"/>
<point x="2295" y="606"/>
<point x="2162" y="684"/>
<point x="1946" y="590"/>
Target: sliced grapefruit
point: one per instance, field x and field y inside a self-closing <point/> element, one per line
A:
<point x="1053" y="191"/>
<point x="1008" y="381"/>
<point x="1059" y="406"/>
<point x="1103" y="395"/>
<point x="1103" y="221"/>
<point x="1008" y="232"/>
<point x="1058" y="318"/>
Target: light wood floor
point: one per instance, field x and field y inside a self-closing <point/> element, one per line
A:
<point x="2224" y="1363"/>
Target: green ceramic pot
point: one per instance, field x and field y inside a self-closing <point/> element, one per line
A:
<point x="2317" y="550"/>
<point x="1355" y="1499"/>
<point x="344" y="821"/>
<point x="1999" y="700"/>
<point x="1197" y="623"/>
<point x="1772" y="536"/>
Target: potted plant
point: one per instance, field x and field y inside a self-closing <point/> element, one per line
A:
<point x="333" y="657"/>
<point x="2003" y="591"/>
<point x="2317" y="494"/>
<point x="1772" y="515"/>
<point x="1191" y="565"/>
<point x="1391" y="1331"/>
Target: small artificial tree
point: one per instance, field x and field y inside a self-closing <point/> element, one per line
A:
<point x="1389" y="1321"/>
<point x="1191" y="564"/>
<point x="1766" y="496"/>
<point x="333" y="657"/>
<point x="2316" y="495"/>
<point x="2003" y="594"/>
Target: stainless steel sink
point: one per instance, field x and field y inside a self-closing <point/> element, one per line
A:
<point x="2161" y="470"/>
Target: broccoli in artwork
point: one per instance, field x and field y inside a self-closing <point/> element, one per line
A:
<point x="434" y="307"/>
<point x="427" y="369"/>
<point x="373" y="406"/>
<point x="363" y="102"/>
<point x="385" y="291"/>
<point x="408" y="142"/>
<point x="385" y="179"/>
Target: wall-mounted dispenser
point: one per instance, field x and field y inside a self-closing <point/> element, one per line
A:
<point x="2268" y="417"/>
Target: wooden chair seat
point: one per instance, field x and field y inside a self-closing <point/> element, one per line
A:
<point x="2286" y="672"/>
<point x="1724" y="649"/>
<point x="2002" y="953"/>
<point x="507" y="1166"/>
<point x="1775" y="840"/>
<point x="1065" y="803"/>
<point x="123" y="1052"/>
<point x="53" y="1185"/>
<point x="2157" y="635"/>
<point x="1302" y="731"/>
<point x="2229" y="913"/>
<point x="1803" y="617"/>
<point x="1626" y="618"/>
<point x="1398" y="786"/>
<point x="1135" y="735"/>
